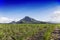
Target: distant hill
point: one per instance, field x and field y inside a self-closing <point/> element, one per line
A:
<point x="29" y="20"/>
<point x="13" y="22"/>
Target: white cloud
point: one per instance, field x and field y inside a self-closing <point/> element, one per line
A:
<point x="57" y="12"/>
<point x="17" y="19"/>
<point x="5" y="20"/>
<point x="55" y="16"/>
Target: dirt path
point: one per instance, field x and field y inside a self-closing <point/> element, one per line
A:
<point x="56" y="34"/>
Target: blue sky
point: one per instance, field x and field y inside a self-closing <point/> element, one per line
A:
<point x="37" y="9"/>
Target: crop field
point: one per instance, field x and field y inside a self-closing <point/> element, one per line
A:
<point x="26" y="31"/>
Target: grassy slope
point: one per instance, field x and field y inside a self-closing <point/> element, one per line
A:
<point x="23" y="31"/>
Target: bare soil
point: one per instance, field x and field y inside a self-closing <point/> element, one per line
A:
<point x="56" y="34"/>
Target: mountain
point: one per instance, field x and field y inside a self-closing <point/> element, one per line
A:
<point x="13" y="22"/>
<point x="29" y="20"/>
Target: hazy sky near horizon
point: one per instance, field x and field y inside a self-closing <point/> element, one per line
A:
<point x="43" y="10"/>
